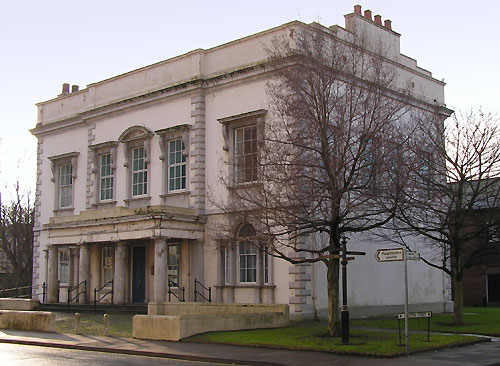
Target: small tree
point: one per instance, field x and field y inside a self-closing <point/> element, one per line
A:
<point x="16" y="240"/>
<point x="329" y="160"/>
<point x="454" y="197"/>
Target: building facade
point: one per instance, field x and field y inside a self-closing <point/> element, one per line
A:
<point x="124" y="171"/>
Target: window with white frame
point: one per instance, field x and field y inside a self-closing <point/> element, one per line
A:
<point x="176" y="165"/>
<point x="247" y="259"/>
<point x="245" y="154"/>
<point x="106" y="177"/>
<point x="266" y="267"/>
<point x="65" y="185"/>
<point x="173" y="265"/>
<point x="137" y="154"/>
<point x="64" y="267"/>
<point x="139" y="172"/>
<point x="107" y="266"/>
<point x="227" y="266"/>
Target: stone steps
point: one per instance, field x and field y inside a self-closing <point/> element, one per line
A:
<point x="89" y="308"/>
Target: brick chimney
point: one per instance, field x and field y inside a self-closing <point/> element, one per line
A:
<point x="368" y="14"/>
<point x="74" y="88"/>
<point x="378" y="19"/>
<point x="387" y="24"/>
<point x="357" y="9"/>
<point x="65" y="88"/>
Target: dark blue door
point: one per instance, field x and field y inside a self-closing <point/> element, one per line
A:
<point x="138" y="274"/>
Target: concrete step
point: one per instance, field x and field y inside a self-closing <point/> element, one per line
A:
<point x="89" y="308"/>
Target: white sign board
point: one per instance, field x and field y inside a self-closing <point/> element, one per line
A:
<point x="412" y="256"/>
<point x="425" y="314"/>
<point x="389" y="255"/>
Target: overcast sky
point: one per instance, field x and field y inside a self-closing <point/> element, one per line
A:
<point x="47" y="43"/>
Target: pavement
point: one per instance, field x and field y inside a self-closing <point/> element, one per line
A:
<point x="486" y="353"/>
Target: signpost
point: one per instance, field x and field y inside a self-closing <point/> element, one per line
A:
<point x="400" y="254"/>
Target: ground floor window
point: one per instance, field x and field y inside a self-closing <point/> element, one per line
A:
<point x="247" y="259"/>
<point x="107" y="266"/>
<point x="173" y="264"/>
<point x="64" y="266"/>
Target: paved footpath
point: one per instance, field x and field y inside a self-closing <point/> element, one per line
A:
<point x="487" y="354"/>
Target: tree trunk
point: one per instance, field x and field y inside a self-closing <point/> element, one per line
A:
<point x="333" y="298"/>
<point x="458" y="299"/>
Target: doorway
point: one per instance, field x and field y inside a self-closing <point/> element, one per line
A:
<point x="138" y="274"/>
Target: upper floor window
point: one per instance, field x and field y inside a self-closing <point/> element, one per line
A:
<point x="106" y="177"/>
<point x="245" y="154"/>
<point x="176" y="165"/>
<point x="139" y="172"/>
<point x="241" y="138"/>
<point x="65" y="185"/>
<point x="63" y="175"/>
<point x="137" y="152"/>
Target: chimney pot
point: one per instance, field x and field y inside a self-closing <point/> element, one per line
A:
<point x="378" y="19"/>
<point x="387" y="24"/>
<point x="65" y="88"/>
<point x="74" y="88"/>
<point x="357" y="9"/>
<point x="368" y="14"/>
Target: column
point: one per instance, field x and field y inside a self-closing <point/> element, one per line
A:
<point x="84" y="269"/>
<point x="52" y="285"/>
<point x="160" y="279"/>
<point x="119" y="278"/>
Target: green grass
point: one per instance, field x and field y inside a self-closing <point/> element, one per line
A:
<point x="484" y="321"/>
<point x="119" y="325"/>
<point x="314" y="338"/>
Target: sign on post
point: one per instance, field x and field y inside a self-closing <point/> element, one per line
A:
<point x="389" y="255"/>
<point x="412" y="256"/>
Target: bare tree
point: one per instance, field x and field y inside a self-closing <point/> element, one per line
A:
<point x="329" y="160"/>
<point x="16" y="240"/>
<point x="454" y="197"/>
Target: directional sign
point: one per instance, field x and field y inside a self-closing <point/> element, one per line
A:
<point x="412" y="256"/>
<point x="425" y="314"/>
<point x="389" y="255"/>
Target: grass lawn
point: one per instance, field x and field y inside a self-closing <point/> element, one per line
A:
<point x="120" y="325"/>
<point x="476" y="321"/>
<point x="313" y="338"/>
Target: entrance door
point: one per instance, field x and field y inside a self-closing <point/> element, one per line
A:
<point x="494" y="288"/>
<point x="138" y="274"/>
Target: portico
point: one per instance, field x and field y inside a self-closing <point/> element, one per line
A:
<point x="135" y="254"/>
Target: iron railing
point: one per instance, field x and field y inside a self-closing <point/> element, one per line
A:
<point x="102" y="296"/>
<point x="21" y="293"/>
<point x="77" y="295"/>
<point x="202" y="294"/>
<point x="170" y="292"/>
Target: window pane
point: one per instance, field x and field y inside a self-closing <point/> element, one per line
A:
<point x="176" y="165"/>
<point x="245" y="154"/>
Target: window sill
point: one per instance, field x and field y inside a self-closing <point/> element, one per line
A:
<point x="175" y="193"/>
<point x="244" y="185"/>
<point x="64" y="209"/>
<point x="105" y="204"/>
<point x="136" y="202"/>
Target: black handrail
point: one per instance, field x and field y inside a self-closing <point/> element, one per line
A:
<point x="170" y="292"/>
<point x="196" y="292"/>
<point x="103" y="295"/>
<point x="29" y="295"/>
<point x="77" y="296"/>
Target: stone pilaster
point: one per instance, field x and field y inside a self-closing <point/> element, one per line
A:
<point x="197" y="153"/>
<point x="300" y="286"/>
<point x="119" y="279"/>
<point x="84" y="269"/>
<point x="52" y="286"/>
<point x="160" y="273"/>
<point x="37" y="282"/>
<point x="90" y="184"/>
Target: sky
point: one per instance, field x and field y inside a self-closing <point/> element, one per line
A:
<point x="44" y="44"/>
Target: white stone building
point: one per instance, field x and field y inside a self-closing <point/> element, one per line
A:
<point x="123" y="170"/>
